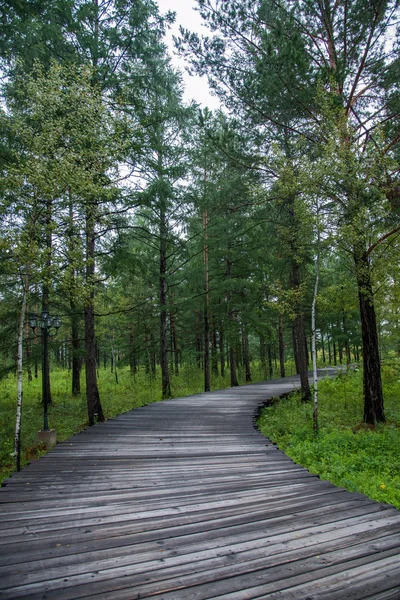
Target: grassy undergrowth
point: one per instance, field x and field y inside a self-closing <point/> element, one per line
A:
<point x="68" y="414"/>
<point x="345" y="451"/>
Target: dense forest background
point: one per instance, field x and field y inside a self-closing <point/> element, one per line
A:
<point x="165" y="236"/>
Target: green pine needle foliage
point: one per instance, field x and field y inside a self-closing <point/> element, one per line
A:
<point x="345" y="452"/>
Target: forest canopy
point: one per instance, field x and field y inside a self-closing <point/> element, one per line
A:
<point x="165" y="235"/>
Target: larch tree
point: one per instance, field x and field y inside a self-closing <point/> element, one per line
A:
<point x="269" y="58"/>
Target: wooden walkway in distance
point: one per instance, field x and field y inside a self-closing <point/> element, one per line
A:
<point x="186" y="500"/>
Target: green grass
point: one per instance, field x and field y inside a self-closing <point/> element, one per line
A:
<point x="68" y="414"/>
<point x="345" y="451"/>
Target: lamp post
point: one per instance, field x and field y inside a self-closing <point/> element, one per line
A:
<point x="45" y="322"/>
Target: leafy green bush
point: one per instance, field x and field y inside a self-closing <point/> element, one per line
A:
<point x="345" y="451"/>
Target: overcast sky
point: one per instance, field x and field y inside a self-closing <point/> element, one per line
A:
<point x="195" y="87"/>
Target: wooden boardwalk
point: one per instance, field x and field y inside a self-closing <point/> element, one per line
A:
<point x="186" y="500"/>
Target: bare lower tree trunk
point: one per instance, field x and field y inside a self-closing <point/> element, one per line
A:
<point x="263" y="358"/>
<point x="165" y="380"/>
<point x="314" y="343"/>
<point x="28" y="351"/>
<point x="246" y="355"/>
<point x="299" y="344"/>
<point x="281" y="347"/>
<point x="214" y="353"/>
<point x="132" y="353"/>
<point x="17" y="437"/>
<point x="329" y="349"/>
<point x="373" y="395"/>
<point x="269" y="355"/>
<point x="222" y="352"/>
<point x="232" y="366"/>
<point x="323" y="347"/>
<point x="95" y="410"/>
<point x="207" y="374"/>
<point x="174" y="343"/>
<point x="76" y="358"/>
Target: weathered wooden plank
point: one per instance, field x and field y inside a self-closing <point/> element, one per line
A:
<point x="184" y="499"/>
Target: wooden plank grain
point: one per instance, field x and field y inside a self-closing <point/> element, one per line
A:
<point x="185" y="499"/>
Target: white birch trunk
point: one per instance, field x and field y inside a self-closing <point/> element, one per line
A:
<point x="17" y="438"/>
<point x="314" y="337"/>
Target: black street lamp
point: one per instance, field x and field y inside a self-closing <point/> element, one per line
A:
<point x="45" y="322"/>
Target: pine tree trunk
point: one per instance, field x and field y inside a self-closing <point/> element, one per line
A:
<point x="207" y="375"/>
<point x="299" y="343"/>
<point x="174" y="343"/>
<point x="214" y="353"/>
<point x="222" y="352"/>
<point x="281" y="347"/>
<point x="246" y="356"/>
<point x="232" y="366"/>
<point x="28" y="351"/>
<point x="76" y="358"/>
<point x="314" y="339"/>
<point x="165" y="380"/>
<point x="263" y="358"/>
<point x="373" y="395"/>
<point x="340" y="351"/>
<point x="132" y="353"/>
<point x="295" y="352"/>
<point x="269" y="355"/>
<point x="95" y="410"/>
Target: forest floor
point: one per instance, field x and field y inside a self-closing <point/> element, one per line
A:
<point x="346" y="452"/>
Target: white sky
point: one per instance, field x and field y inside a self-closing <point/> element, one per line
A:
<point x="195" y="87"/>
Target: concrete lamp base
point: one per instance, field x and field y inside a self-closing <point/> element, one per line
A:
<point x="47" y="438"/>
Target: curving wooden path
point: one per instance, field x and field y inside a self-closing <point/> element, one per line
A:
<point x="186" y="500"/>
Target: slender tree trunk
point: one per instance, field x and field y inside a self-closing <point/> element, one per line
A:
<point x="346" y="339"/>
<point x="207" y="375"/>
<point x="76" y="358"/>
<point x="246" y="355"/>
<point x="222" y="351"/>
<point x="269" y="355"/>
<point x="334" y="354"/>
<point x="95" y="410"/>
<point x="214" y="352"/>
<point x="323" y="348"/>
<point x="132" y="353"/>
<point x="295" y="352"/>
<point x="263" y="358"/>
<point x="174" y="343"/>
<point x="28" y="351"/>
<point x="232" y="366"/>
<point x="314" y="339"/>
<point x="329" y="349"/>
<point x="281" y="347"/>
<point x="299" y="337"/>
<point x="165" y="379"/>
<point x="17" y="437"/>
<point x="340" y="351"/>
<point x="373" y="395"/>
